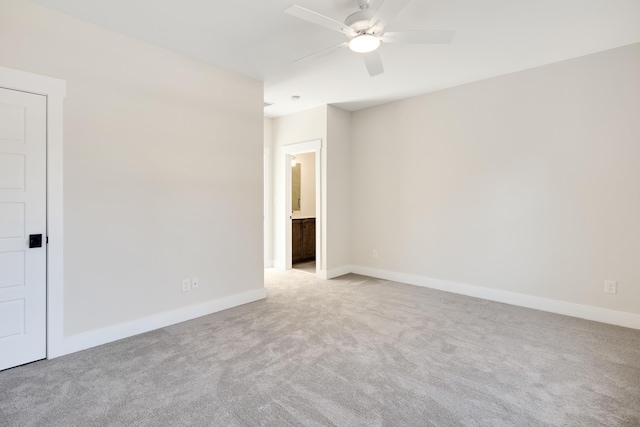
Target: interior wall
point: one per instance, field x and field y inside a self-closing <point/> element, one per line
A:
<point x="332" y="126"/>
<point x="307" y="186"/>
<point x="338" y="191"/>
<point x="305" y="126"/>
<point x="528" y="182"/>
<point x="162" y="169"/>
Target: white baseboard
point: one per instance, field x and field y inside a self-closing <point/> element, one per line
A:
<point x="268" y="264"/>
<point x="333" y="273"/>
<point x="337" y="272"/>
<point x="620" y="318"/>
<point x="161" y="320"/>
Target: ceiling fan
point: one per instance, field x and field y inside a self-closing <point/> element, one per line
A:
<point x="365" y="30"/>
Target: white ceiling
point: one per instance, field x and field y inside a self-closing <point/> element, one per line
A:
<point x="257" y="39"/>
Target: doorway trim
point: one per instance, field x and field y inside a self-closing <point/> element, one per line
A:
<point x="267" y="196"/>
<point x="55" y="91"/>
<point x="314" y="146"/>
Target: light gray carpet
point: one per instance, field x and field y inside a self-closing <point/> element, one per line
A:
<point x="349" y="352"/>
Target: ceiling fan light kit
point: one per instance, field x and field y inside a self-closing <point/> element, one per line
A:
<point x="364" y="43"/>
<point x="365" y="30"/>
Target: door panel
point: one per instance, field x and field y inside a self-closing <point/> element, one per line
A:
<point x="11" y="172"/>
<point x="11" y="220"/>
<point x="22" y="212"/>
<point x="11" y="318"/>
<point x="12" y="267"/>
<point x="12" y="125"/>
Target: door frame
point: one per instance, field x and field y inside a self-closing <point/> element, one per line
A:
<point x="55" y="91"/>
<point x="288" y="151"/>
<point x="267" y="227"/>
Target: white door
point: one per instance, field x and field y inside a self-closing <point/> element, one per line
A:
<point x="23" y="261"/>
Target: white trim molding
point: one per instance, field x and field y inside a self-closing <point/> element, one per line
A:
<point x="335" y="272"/>
<point x="267" y="185"/>
<point x="55" y="90"/>
<point x="124" y="330"/>
<point x="302" y="147"/>
<point x="620" y="318"/>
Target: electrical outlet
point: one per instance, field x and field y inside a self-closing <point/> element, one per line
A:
<point x="610" y="286"/>
<point x="186" y="285"/>
<point x="375" y="253"/>
<point x="195" y="283"/>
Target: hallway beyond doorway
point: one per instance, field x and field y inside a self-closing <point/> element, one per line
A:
<point x="307" y="266"/>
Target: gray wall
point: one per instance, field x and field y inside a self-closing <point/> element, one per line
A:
<point x="528" y="182"/>
<point x="338" y="190"/>
<point x="154" y="147"/>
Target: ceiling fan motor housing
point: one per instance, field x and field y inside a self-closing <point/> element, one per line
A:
<point x="359" y="21"/>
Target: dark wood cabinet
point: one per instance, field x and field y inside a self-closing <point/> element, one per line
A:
<point x="303" y="239"/>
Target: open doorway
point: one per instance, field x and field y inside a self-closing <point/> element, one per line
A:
<point x="303" y="212"/>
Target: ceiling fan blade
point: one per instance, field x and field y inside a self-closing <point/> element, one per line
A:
<point x="373" y="62"/>
<point x="387" y="11"/>
<point x="322" y="52"/>
<point x="422" y="37"/>
<point x="318" y="19"/>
